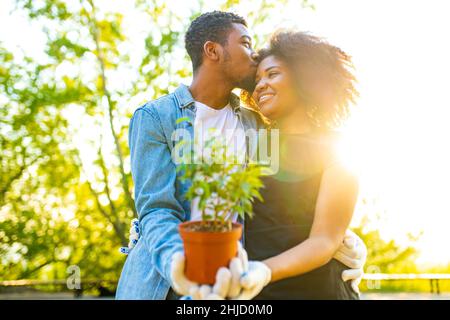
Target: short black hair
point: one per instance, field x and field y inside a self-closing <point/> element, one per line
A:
<point x="210" y="26"/>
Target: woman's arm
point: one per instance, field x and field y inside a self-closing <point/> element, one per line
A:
<point x="334" y="209"/>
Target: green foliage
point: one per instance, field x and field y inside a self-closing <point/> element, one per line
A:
<point x="385" y="256"/>
<point x="65" y="182"/>
<point x="223" y="184"/>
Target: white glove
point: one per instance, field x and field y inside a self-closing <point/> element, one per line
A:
<point x="353" y="254"/>
<point x="248" y="278"/>
<point x="254" y="280"/>
<point x="242" y="280"/>
<point x="193" y="291"/>
<point x="182" y="285"/>
<point x="133" y="238"/>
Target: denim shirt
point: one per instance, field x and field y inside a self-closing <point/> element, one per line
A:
<point x="158" y="193"/>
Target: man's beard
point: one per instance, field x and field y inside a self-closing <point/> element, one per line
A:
<point x="247" y="83"/>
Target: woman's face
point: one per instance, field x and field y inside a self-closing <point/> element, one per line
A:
<point x="275" y="91"/>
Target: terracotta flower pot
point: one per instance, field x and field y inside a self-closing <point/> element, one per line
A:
<point x="206" y="252"/>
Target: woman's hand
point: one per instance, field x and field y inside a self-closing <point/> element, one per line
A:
<point x="253" y="280"/>
<point x="243" y="280"/>
<point x="193" y="291"/>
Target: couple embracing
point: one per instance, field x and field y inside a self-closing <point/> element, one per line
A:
<point x="297" y="246"/>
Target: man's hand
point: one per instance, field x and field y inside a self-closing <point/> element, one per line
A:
<point x="242" y="280"/>
<point x="192" y="290"/>
<point x="225" y="286"/>
<point x="352" y="253"/>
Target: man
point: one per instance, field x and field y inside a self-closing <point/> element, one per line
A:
<point x="220" y="48"/>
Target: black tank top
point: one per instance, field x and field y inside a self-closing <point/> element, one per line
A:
<point x="285" y="218"/>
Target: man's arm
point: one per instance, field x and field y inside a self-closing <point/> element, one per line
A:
<point x="154" y="176"/>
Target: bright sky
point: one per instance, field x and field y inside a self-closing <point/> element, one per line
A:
<point x="398" y="138"/>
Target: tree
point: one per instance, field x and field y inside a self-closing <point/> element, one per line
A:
<point x="66" y="188"/>
<point x="385" y="256"/>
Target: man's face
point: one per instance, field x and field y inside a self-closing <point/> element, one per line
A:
<point x="239" y="58"/>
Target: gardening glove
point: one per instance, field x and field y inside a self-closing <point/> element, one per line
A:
<point x="252" y="280"/>
<point x="191" y="290"/>
<point x="353" y="254"/>
<point x="133" y="238"/>
<point x="238" y="266"/>
<point x="246" y="280"/>
<point x="228" y="280"/>
<point x="180" y="284"/>
<point x="226" y="284"/>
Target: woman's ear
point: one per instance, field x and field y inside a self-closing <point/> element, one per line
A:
<point x="212" y="50"/>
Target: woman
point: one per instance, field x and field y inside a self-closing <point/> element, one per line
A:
<point x="304" y="88"/>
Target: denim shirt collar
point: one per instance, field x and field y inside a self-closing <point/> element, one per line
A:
<point x="185" y="99"/>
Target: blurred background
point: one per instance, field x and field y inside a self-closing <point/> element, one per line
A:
<point x="72" y="73"/>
